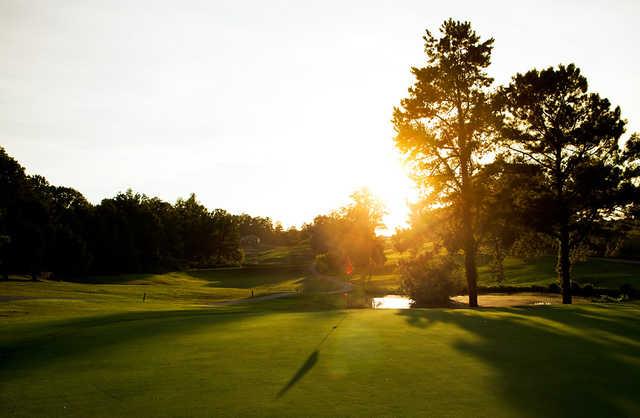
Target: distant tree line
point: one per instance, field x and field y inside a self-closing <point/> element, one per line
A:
<point x="539" y="162"/>
<point x="264" y="231"/>
<point x="47" y="228"/>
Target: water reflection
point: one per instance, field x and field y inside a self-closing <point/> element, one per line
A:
<point x="391" y="302"/>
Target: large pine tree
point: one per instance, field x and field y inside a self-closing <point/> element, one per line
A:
<point x="443" y="125"/>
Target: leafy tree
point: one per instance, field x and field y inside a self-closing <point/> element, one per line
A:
<point x="443" y="125"/>
<point x="361" y="244"/>
<point x="348" y="235"/>
<point x="69" y="215"/>
<point x="405" y="239"/>
<point x="226" y="237"/>
<point x="128" y="234"/>
<point x="261" y="227"/>
<point x="502" y="218"/>
<point x="550" y="119"/>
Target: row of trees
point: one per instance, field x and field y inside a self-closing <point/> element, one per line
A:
<point x="346" y="239"/>
<point x="541" y="155"/>
<point x="47" y="228"/>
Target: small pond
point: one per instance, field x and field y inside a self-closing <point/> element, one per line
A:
<point x="391" y="302"/>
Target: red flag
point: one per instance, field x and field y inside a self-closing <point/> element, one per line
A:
<point x="349" y="267"/>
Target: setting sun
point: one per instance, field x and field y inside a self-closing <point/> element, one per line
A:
<point x="396" y="191"/>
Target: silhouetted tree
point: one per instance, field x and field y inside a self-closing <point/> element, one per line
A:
<point x="24" y="205"/>
<point x="69" y="216"/>
<point x="502" y="216"/>
<point x="226" y="237"/>
<point x="442" y="125"/>
<point x="55" y="229"/>
<point x="549" y="119"/>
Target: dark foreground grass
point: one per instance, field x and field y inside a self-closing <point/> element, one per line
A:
<point x="294" y="358"/>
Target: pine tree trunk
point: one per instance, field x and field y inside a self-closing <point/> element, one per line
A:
<point x="470" y="268"/>
<point x="564" y="265"/>
<point x="469" y="245"/>
<point x="471" y="272"/>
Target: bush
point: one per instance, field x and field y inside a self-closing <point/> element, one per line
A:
<point x="628" y="290"/>
<point x="322" y="263"/>
<point x="331" y="263"/>
<point x="554" y="288"/>
<point x="587" y="289"/>
<point x="430" y="281"/>
<point x="575" y="288"/>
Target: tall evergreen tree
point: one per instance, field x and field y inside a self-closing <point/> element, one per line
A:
<point x="443" y="126"/>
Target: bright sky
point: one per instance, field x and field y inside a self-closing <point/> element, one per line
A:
<point x="278" y="108"/>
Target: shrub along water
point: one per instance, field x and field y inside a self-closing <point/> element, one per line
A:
<point x="431" y="280"/>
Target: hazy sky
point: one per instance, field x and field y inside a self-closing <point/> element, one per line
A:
<point x="275" y="108"/>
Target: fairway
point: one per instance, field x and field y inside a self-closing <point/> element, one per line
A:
<point x="290" y="357"/>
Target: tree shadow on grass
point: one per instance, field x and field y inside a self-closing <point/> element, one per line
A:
<point x="309" y="363"/>
<point x="122" y="279"/>
<point x="553" y="362"/>
<point x="304" y="369"/>
<point x="41" y="344"/>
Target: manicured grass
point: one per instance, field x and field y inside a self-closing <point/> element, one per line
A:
<point x="180" y="290"/>
<point x="78" y="349"/>
<point x="541" y="271"/>
<point x="293" y="358"/>
<point x="379" y="283"/>
<point x="299" y="254"/>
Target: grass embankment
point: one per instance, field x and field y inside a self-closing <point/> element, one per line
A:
<point x="20" y="297"/>
<point x="540" y="271"/>
<point x="294" y="358"/>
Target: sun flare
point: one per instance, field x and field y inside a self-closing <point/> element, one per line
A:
<point x="396" y="191"/>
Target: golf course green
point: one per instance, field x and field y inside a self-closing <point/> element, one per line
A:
<point x="72" y="349"/>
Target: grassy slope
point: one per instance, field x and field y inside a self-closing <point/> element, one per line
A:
<point x="290" y="357"/>
<point x="540" y="271"/>
<point x="179" y="290"/>
<point x="290" y="255"/>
